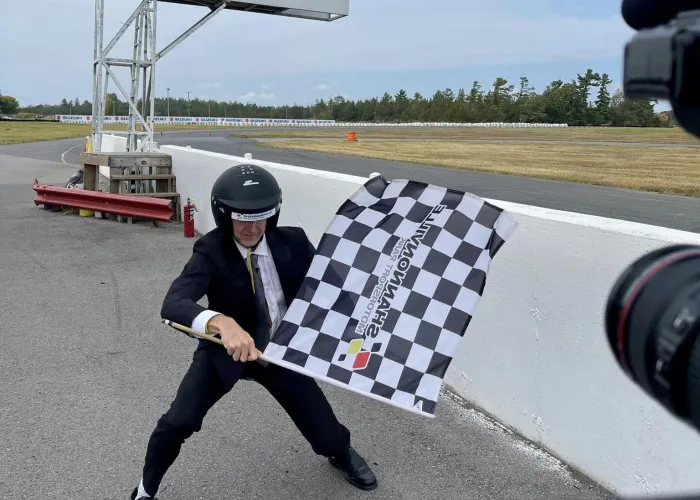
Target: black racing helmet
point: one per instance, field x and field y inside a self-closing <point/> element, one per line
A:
<point x="248" y="193"/>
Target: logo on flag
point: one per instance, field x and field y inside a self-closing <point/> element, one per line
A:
<point x="391" y="291"/>
<point x="361" y="356"/>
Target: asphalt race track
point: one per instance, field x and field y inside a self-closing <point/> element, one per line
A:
<point x="675" y="212"/>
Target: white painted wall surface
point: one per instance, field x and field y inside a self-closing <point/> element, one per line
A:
<point x="535" y="356"/>
<point x="113" y="143"/>
<point x="310" y="197"/>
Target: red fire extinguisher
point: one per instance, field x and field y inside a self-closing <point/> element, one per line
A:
<point x="188" y="217"/>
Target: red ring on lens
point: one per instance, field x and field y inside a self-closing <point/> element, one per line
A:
<point x="637" y="288"/>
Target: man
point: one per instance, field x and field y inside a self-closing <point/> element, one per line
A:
<point x="250" y="269"/>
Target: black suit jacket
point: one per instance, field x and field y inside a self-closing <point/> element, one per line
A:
<point x="217" y="269"/>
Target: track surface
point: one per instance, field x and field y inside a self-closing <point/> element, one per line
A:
<point x="87" y="369"/>
<point x="675" y="212"/>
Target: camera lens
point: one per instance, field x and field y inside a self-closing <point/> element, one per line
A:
<point x="652" y="321"/>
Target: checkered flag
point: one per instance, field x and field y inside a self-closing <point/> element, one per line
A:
<point x="393" y="286"/>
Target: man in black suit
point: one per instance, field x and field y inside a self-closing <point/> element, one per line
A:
<point x="250" y="270"/>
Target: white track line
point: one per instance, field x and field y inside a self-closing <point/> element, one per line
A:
<point x="63" y="155"/>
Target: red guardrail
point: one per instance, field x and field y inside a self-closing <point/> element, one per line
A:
<point x="145" y="207"/>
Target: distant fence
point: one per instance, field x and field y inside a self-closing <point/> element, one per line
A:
<point x="282" y="122"/>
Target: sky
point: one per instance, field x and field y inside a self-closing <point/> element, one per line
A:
<point x="383" y="45"/>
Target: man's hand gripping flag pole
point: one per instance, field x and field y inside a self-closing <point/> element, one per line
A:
<point x="201" y="335"/>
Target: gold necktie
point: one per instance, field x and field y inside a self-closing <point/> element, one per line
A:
<point x="249" y="263"/>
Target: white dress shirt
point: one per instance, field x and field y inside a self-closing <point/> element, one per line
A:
<point x="271" y="283"/>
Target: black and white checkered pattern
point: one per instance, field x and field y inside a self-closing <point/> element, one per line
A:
<point x="371" y="242"/>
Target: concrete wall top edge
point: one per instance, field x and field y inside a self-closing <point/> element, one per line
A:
<point x="604" y="223"/>
<point x="282" y="166"/>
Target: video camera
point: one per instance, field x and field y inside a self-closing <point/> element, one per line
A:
<point x="663" y="60"/>
<point x="652" y="317"/>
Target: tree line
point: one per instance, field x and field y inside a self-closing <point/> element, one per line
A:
<point x="585" y="100"/>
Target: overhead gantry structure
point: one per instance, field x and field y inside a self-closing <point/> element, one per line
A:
<point x="144" y="56"/>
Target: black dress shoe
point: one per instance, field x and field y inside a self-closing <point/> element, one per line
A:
<point x="355" y="469"/>
<point x="135" y="491"/>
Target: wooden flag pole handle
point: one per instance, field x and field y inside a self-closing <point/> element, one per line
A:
<point x="185" y="329"/>
<point x="204" y="336"/>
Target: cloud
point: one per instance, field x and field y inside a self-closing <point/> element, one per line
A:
<point x="461" y="34"/>
<point x="381" y="38"/>
<point x="250" y="96"/>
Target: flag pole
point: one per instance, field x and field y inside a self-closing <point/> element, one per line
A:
<point x="185" y="329"/>
<point x="201" y="335"/>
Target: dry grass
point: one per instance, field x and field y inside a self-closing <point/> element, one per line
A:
<point x="670" y="170"/>
<point x="603" y="134"/>
<point x="20" y="132"/>
<point x="23" y="132"/>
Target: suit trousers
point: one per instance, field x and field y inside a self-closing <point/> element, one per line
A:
<point x="202" y="386"/>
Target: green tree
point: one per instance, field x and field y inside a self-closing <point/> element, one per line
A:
<point x="603" y="101"/>
<point x="526" y="90"/>
<point x="8" y="105"/>
<point x="584" y="100"/>
<point x="563" y="103"/>
<point x="401" y="105"/>
<point x="384" y="111"/>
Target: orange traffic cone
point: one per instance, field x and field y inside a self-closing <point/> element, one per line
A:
<point x="352" y="137"/>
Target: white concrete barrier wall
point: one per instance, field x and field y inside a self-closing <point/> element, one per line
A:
<point x="113" y="143"/>
<point x="535" y="357"/>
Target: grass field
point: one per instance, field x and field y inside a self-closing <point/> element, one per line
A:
<point x="607" y="134"/>
<point x="22" y="132"/>
<point x="669" y="170"/>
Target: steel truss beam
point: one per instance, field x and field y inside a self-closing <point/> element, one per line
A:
<point x="143" y="65"/>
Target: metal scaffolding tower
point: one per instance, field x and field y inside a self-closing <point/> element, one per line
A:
<point x="143" y="66"/>
<point x="144" y="56"/>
